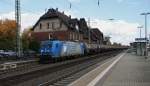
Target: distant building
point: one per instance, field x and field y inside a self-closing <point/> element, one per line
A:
<point x="84" y="29"/>
<point x="96" y="36"/>
<point x="107" y="40"/>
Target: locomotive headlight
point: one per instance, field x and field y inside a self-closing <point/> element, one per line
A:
<point x="42" y="50"/>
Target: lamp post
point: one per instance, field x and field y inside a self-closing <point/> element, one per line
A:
<point x="112" y="20"/>
<point x="145" y="14"/>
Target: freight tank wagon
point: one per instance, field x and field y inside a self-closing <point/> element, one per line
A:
<point x="55" y="49"/>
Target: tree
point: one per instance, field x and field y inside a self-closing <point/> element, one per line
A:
<point x="7" y="34"/>
<point x="26" y="39"/>
<point x="34" y="45"/>
<point x="8" y="37"/>
<point x="29" y="43"/>
<point x="117" y="44"/>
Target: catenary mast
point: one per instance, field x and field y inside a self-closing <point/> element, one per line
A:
<point x="18" y="27"/>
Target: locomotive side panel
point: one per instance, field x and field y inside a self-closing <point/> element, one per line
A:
<point x="70" y="49"/>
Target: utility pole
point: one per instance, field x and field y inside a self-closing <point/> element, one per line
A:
<point x="149" y="39"/>
<point x="18" y="29"/>
<point x="111" y="21"/>
<point x="89" y="34"/>
<point x="145" y="14"/>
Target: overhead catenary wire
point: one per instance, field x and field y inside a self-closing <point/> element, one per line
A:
<point x="11" y="4"/>
<point x="98" y="2"/>
<point x="70" y="5"/>
<point x="6" y="3"/>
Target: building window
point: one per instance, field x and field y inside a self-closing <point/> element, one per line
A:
<point x="40" y="26"/>
<point x="47" y="25"/>
<point x="76" y="37"/>
<point x="79" y="37"/>
<point x="71" y="36"/>
<point x="61" y="23"/>
<point x="53" y="25"/>
<point x="50" y="36"/>
<point x="56" y="25"/>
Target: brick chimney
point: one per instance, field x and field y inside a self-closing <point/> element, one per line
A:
<point x="70" y="16"/>
<point x="63" y="12"/>
<point x="56" y="9"/>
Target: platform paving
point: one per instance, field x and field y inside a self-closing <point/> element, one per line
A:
<point x="131" y="70"/>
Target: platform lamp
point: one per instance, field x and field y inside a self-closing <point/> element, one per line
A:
<point x="145" y="14"/>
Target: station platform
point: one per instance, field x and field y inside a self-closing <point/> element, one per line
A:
<point x="126" y="69"/>
<point x="131" y="70"/>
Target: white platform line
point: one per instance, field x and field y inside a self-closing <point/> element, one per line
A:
<point x="101" y="75"/>
<point x="86" y="75"/>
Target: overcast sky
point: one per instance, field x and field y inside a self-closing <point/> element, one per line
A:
<point x="125" y="12"/>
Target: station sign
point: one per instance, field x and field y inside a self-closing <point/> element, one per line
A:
<point x="141" y="39"/>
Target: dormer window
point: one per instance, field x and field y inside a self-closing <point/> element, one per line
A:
<point x="40" y="26"/>
<point x="77" y="27"/>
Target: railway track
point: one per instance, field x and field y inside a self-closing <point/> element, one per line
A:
<point x="9" y="67"/>
<point x="77" y="71"/>
<point x="52" y="74"/>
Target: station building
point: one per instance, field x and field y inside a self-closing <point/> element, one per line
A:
<point x="56" y="25"/>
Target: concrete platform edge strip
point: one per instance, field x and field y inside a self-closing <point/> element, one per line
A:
<point x="87" y="75"/>
<point x="103" y="73"/>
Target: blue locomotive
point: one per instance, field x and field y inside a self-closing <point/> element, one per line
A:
<point x="51" y="50"/>
<point x="55" y="49"/>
